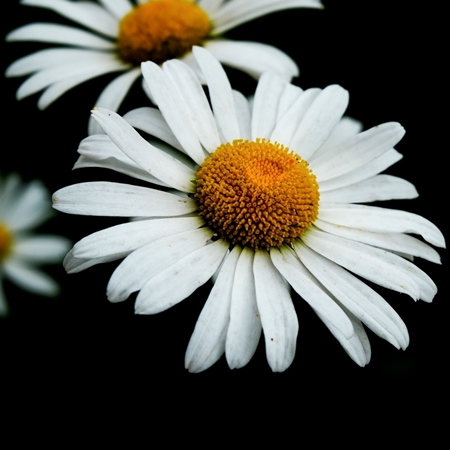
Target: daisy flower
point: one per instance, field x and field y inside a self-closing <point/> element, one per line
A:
<point x="265" y="198"/>
<point x="23" y="208"/>
<point x="123" y="34"/>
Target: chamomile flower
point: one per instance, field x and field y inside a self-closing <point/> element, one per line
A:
<point x="117" y="35"/>
<point x="262" y="198"/>
<point x="22" y="208"/>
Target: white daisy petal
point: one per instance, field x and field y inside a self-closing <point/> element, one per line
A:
<point x="51" y="57"/>
<point x="220" y="93"/>
<point x="207" y="343"/>
<point x="129" y="169"/>
<point x="395" y="242"/>
<point x="361" y="334"/>
<point x="118" y="8"/>
<point x="236" y="12"/>
<point x="30" y="208"/>
<point x="357" y="346"/>
<point x="113" y="95"/>
<point x="120" y="200"/>
<point x="73" y="71"/>
<point x="300" y="279"/>
<point x="370" y="169"/>
<point x="85" y="13"/>
<point x="277" y="313"/>
<point x="157" y="163"/>
<point x="29" y="278"/>
<point x="358" y="151"/>
<point x="199" y="111"/>
<point x="152" y="122"/>
<point x="41" y="249"/>
<point x="357" y="297"/>
<point x="99" y="151"/>
<point x="253" y="58"/>
<point x="210" y="6"/>
<point x="345" y="129"/>
<point x="131" y="236"/>
<point x="288" y="123"/>
<point x="245" y="327"/>
<point x="172" y="109"/>
<point x="372" y="218"/>
<point x="180" y="280"/>
<point x="265" y="105"/>
<point x="150" y="259"/>
<point x="23" y="207"/>
<point x="320" y="119"/>
<point x="10" y="189"/>
<point x="288" y="97"/>
<point x="243" y="113"/>
<point x="59" y="34"/>
<point x="380" y="267"/>
<point x="59" y="88"/>
<point x="75" y="265"/>
<point x="379" y="187"/>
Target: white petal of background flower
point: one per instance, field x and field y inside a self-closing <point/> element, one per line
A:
<point x="236" y="12"/>
<point x="30" y="278"/>
<point x="118" y="8"/>
<point x="59" y="34"/>
<point x="22" y="208"/>
<point x="102" y="19"/>
<point x="253" y="58"/>
<point x="88" y="14"/>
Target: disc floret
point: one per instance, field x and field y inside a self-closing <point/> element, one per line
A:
<point x="257" y="193"/>
<point x="162" y="29"/>
<point x="5" y="242"/>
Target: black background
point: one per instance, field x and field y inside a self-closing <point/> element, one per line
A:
<point x="80" y="342"/>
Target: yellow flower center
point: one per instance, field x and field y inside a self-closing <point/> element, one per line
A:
<point x="258" y="193"/>
<point x="162" y="29"/>
<point x="5" y="242"/>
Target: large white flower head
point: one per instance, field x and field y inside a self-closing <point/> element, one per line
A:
<point x="122" y="34"/>
<point x="22" y="208"/>
<point x="265" y="197"/>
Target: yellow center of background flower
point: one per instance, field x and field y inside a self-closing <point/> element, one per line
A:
<point x="5" y="242"/>
<point x="258" y="193"/>
<point x="162" y="29"/>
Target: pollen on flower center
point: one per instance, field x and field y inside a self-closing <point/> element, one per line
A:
<point x="162" y="29"/>
<point x="257" y="193"/>
<point x="5" y="242"/>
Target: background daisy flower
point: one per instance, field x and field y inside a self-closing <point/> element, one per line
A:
<point x="124" y="34"/>
<point x="22" y="208"/>
<point x="267" y="198"/>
